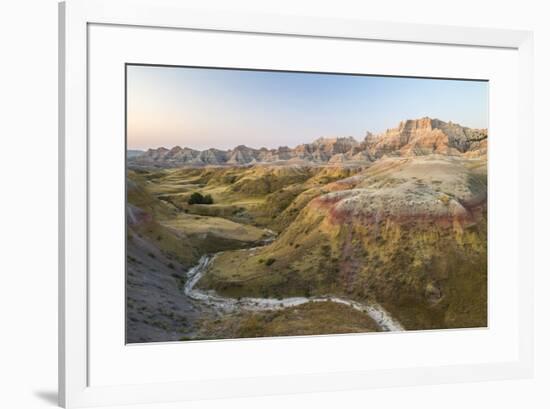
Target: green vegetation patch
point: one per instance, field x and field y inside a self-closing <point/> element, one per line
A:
<point x="308" y="319"/>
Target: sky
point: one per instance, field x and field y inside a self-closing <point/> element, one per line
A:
<point x="205" y="108"/>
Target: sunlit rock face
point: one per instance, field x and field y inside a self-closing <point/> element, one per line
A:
<point x="425" y="136"/>
<point x="415" y="137"/>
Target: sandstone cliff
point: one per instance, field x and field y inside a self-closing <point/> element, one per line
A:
<point x="410" y="138"/>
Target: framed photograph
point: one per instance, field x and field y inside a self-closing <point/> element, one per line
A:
<point x="258" y="204"/>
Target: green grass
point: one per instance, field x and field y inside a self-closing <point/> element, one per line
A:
<point x="308" y="319"/>
<point x="215" y="226"/>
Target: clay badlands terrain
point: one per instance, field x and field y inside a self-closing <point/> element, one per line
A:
<point x="332" y="236"/>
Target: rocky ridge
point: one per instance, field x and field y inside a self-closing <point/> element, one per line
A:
<point x="415" y="137"/>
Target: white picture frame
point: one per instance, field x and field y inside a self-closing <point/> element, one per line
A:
<point x="75" y="18"/>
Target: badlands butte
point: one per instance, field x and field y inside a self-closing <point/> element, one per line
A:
<point x="332" y="236"/>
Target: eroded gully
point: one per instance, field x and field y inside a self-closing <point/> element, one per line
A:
<point x="384" y="320"/>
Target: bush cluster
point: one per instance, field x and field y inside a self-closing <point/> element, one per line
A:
<point x="197" y="198"/>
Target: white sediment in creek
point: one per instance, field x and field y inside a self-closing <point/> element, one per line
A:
<point x="375" y="311"/>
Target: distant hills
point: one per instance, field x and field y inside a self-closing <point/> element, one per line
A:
<point x="132" y="153"/>
<point x="412" y="137"/>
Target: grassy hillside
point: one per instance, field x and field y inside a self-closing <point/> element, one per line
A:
<point x="308" y="319"/>
<point x="254" y="195"/>
<point x="410" y="233"/>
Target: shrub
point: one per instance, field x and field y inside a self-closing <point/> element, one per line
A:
<point x="197" y="198"/>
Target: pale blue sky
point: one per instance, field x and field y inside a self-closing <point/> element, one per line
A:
<point x="202" y="108"/>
